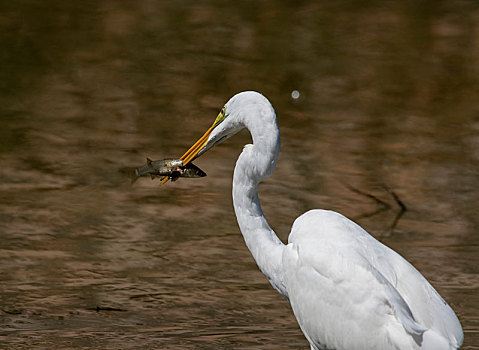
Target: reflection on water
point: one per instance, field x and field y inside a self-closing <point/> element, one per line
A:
<point x="388" y="99"/>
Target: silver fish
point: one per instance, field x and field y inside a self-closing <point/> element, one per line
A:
<point x="171" y="168"/>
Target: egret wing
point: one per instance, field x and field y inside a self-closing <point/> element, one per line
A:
<point x="352" y="262"/>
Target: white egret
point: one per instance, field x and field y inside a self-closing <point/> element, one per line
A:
<point x="347" y="290"/>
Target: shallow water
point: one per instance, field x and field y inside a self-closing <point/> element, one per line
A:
<point x="388" y="100"/>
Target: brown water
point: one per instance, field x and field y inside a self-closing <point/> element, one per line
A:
<point x="389" y="98"/>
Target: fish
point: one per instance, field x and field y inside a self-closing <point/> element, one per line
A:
<point x="171" y="168"/>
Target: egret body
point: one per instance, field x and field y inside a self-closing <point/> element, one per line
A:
<point x="347" y="290"/>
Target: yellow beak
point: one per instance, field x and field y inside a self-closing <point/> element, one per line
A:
<point x="196" y="148"/>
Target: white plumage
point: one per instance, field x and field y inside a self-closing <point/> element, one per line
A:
<point x="347" y="290"/>
<point x="372" y="298"/>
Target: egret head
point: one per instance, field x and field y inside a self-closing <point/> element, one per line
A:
<point x="228" y="122"/>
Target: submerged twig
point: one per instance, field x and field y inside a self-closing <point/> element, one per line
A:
<point x="12" y="311"/>
<point x="383" y="206"/>
<point x="402" y="208"/>
<point x="105" y="308"/>
<point x="396" y="198"/>
<point x="371" y="196"/>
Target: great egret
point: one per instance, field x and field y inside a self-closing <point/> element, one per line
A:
<point x="346" y="289"/>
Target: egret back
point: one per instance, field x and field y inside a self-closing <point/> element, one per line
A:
<point x="345" y="273"/>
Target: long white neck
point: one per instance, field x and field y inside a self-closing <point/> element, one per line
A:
<point x="256" y="162"/>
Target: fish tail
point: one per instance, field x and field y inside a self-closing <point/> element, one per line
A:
<point x="134" y="175"/>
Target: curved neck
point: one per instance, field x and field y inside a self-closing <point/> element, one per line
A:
<point x="255" y="163"/>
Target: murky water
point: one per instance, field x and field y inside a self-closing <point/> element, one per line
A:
<point x="388" y="99"/>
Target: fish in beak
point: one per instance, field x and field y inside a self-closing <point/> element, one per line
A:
<point x="171" y="168"/>
<point x="198" y="147"/>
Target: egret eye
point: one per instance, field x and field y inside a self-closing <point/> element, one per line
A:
<point x="221" y="116"/>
